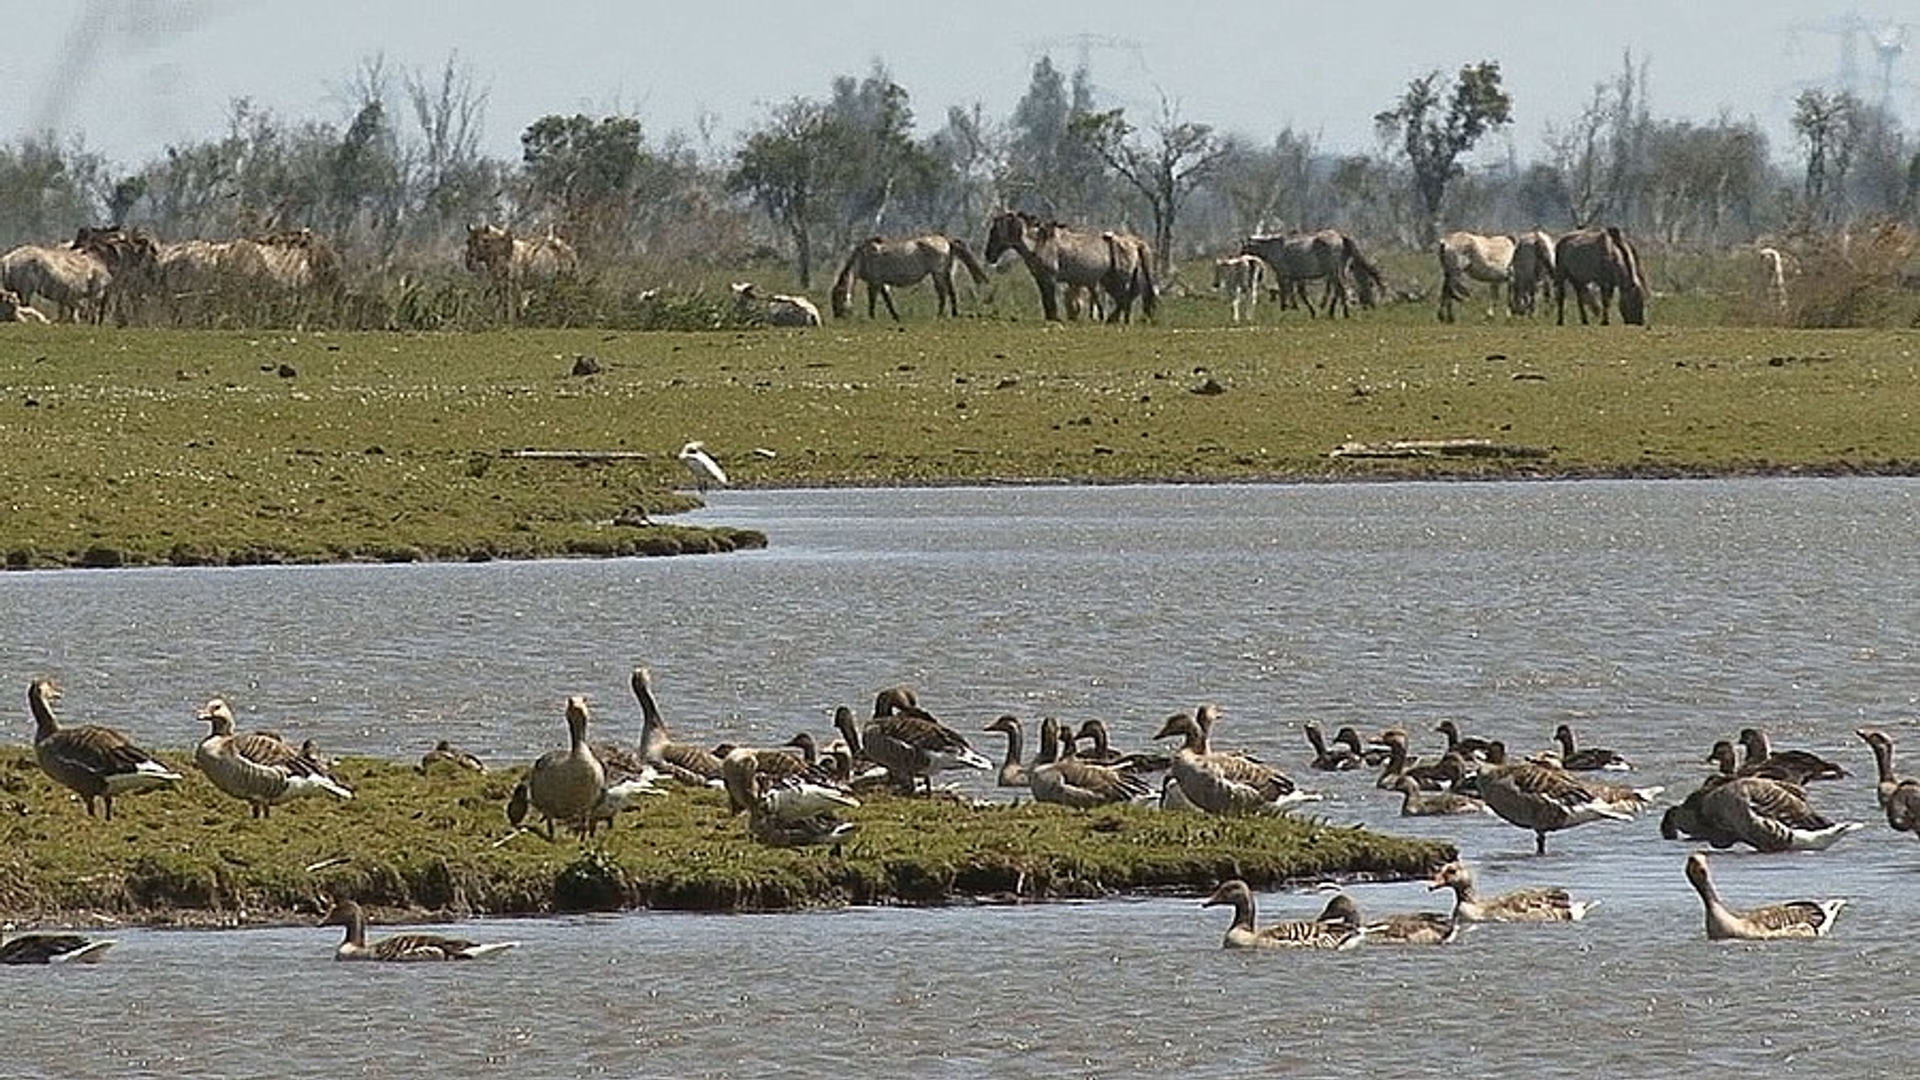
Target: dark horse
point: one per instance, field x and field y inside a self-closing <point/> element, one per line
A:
<point x="1056" y="255"/>
<point x="1599" y="257"/>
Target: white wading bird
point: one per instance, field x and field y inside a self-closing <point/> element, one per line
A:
<point x="705" y="471"/>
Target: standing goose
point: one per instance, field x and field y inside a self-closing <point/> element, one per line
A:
<point x="1521" y="905"/>
<point x="1337" y="758"/>
<point x="567" y="785"/>
<point x="53" y="949"/>
<point x="1586" y="759"/>
<point x="1793" y="919"/>
<point x="1326" y="932"/>
<point x="1013" y="772"/>
<point x="911" y="743"/>
<point x="1899" y="796"/>
<point x="1071" y="781"/>
<point x="685" y="762"/>
<point x="95" y="762"/>
<point x="1800" y="766"/>
<point x="1222" y="783"/>
<point x="1540" y="797"/>
<point x="400" y="947"/>
<point x="259" y="769"/>
<point x="1767" y="815"/>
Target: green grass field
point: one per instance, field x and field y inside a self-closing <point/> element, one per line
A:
<point x="142" y="446"/>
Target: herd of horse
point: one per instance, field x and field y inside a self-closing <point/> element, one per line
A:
<point x="114" y="271"/>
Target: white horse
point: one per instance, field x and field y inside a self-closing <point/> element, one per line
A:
<point x="1465" y="255"/>
<point x="1773" y="265"/>
<point x="1240" y="277"/>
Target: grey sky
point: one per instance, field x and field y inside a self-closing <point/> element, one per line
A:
<point x="136" y="75"/>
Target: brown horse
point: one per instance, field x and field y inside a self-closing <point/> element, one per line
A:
<point x="1602" y="258"/>
<point x="1532" y="271"/>
<point x="1057" y="256"/>
<point x="516" y="267"/>
<point x="883" y="263"/>
<point x="1328" y="255"/>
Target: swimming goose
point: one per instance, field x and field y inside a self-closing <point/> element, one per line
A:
<point x="443" y="753"/>
<point x="53" y="949"/>
<point x="260" y="769"/>
<point x="95" y="762"/>
<point x="1586" y="759"/>
<point x="1899" y="796"/>
<point x="1727" y="760"/>
<point x="1417" y="802"/>
<point x="567" y="785"/>
<point x="1013" y="772"/>
<point x="1540" y="797"/>
<point x="1321" y="933"/>
<point x="911" y="743"/>
<point x="1409" y="928"/>
<point x="1223" y="783"/>
<point x="1094" y="730"/>
<point x="1801" y="766"/>
<point x="1767" y="815"/>
<point x="1470" y="747"/>
<point x="400" y="947"/>
<point x="1430" y="776"/>
<point x="684" y="762"/>
<point x="1071" y="781"/>
<point x="1337" y="758"/>
<point x="1794" y="919"/>
<point x="1521" y="905"/>
<point x="1371" y="754"/>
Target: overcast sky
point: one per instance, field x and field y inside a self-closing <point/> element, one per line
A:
<point x="133" y="76"/>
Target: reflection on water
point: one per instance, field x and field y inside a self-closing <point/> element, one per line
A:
<point x="1651" y="617"/>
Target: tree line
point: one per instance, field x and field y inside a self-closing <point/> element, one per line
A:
<point x="396" y="185"/>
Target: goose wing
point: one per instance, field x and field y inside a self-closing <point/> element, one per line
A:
<point x="1796" y="918"/>
<point x="1083" y="784"/>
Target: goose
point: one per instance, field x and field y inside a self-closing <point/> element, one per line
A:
<point x="53" y="949"/>
<point x="1013" y="773"/>
<point x="1793" y="919"/>
<point x="443" y="753"/>
<point x="1521" y="905"/>
<point x="1094" y="730"/>
<point x="260" y="769"/>
<point x="684" y="762"/>
<point x="1767" y="815"/>
<point x="1540" y="797"/>
<point x="567" y="785"/>
<point x="1222" y="783"/>
<point x="1337" y="758"/>
<point x="790" y="813"/>
<point x="1322" y="933"/>
<point x="1622" y="797"/>
<point x="1808" y="766"/>
<point x="1071" y="781"/>
<point x="1586" y="759"/>
<point x="1412" y="928"/>
<point x="1465" y="746"/>
<point x="401" y="947"/>
<point x="1727" y="760"/>
<point x="1371" y="754"/>
<point x="1417" y="802"/>
<point x="1899" y="796"/>
<point x="624" y="788"/>
<point x="94" y="762"/>
<point x="1429" y="776"/>
<point x="911" y="743"/>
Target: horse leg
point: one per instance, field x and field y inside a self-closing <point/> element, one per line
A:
<point x="886" y="295"/>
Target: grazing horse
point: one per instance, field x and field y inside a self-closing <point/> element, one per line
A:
<point x="1240" y="277"/>
<point x="74" y="282"/>
<point x="1465" y="255"/>
<point x="777" y="310"/>
<point x="1532" y="271"/>
<point x="1602" y="258"/>
<point x="1058" y="256"/>
<point x="516" y="267"/>
<point x="883" y="263"/>
<point x="1328" y="255"/>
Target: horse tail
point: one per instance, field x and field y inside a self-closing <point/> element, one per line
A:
<point x="1371" y="280"/>
<point x="842" y="296"/>
<point x="1149" y="296"/>
<point x="965" y="254"/>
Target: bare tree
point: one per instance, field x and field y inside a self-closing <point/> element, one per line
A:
<point x="1435" y="133"/>
<point x="1825" y="123"/>
<point x="1164" y="169"/>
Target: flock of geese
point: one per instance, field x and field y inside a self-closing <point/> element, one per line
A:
<point x="795" y="794"/>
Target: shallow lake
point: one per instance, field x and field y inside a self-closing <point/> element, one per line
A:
<point x="1653" y="617"/>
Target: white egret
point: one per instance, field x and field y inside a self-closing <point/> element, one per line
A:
<point x="705" y="471"/>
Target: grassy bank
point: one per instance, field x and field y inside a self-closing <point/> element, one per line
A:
<point x="151" y="446"/>
<point x="191" y="855"/>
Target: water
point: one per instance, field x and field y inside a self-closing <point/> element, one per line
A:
<point x="1652" y="617"/>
